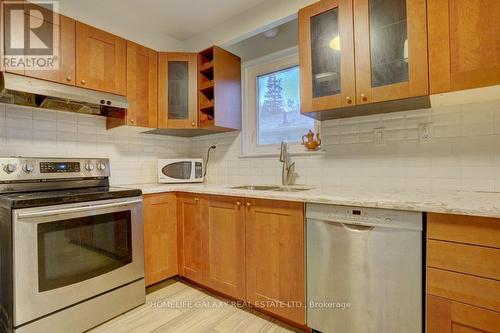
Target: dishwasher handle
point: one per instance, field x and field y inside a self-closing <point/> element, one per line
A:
<point x="357" y="228"/>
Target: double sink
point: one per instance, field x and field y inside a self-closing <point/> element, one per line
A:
<point x="277" y="188"/>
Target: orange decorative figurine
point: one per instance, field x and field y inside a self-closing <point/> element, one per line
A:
<point x="309" y="142"/>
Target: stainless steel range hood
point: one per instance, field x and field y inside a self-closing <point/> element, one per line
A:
<point x="22" y="90"/>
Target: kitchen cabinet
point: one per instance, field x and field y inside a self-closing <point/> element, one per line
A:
<point x="160" y="237"/>
<point x="219" y="84"/>
<point x="447" y="316"/>
<point x="391" y="50"/>
<point x="177" y="90"/>
<point x="464" y="42"/>
<point x="64" y="27"/>
<point x="275" y="257"/>
<point x="249" y="249"/>
<point x="100" y="60"/>
<point x="191" y="237"/>
<point x="358" y="52"/>
<point x="463" y="278"/>
<point x="142" y="89"/>
<point x="327" y="76"/>
<point x="224" y="245"/>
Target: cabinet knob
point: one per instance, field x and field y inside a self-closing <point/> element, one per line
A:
<point x="348" y="99"/>
<point x="83" y="82"/>
<point x="193" y="124"/>
<point x="68" y="78"/>
<point x="196" y="201"/>
<point x="132" y="120"/>
<point x="238" y="203"/>
<point x="249" y="204"/>
<point x="363" y="97"/>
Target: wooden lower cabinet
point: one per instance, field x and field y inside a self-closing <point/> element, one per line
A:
<point x="224" y="245"/>
<point x="275" y="257"/>
<point x="448" y="316"/>
<point x="190" y="237"/>
<point x="463" y="279"/>
<point x="160" y="237"/>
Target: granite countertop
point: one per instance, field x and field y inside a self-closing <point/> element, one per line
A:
<point x="452" y="202"/>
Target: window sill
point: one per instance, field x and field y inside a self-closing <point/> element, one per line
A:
<point x="291" y="153"/>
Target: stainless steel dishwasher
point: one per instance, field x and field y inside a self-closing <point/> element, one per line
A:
<point x="364" y="270"/>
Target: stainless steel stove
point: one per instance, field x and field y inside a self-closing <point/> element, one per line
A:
<point x="71" y="246"/>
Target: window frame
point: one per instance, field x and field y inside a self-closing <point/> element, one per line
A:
<point x="251" y="70"/>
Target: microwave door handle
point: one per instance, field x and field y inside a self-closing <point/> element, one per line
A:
<point x="74" y="209"/>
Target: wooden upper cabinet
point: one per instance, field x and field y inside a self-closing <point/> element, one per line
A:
<point x="464" y="44"/>
<point x="177" y="90"/>
<point x="100" y="60"/>
<point x="191" y="237"/>
<point x="142" y="81"/>
<point x="64" y="45"/>
<point x="326" y="50"/>
<point x="224" y="245"/>
<point x="275" y="257"/>
<point x="391" y="50"/>
<point x="160" y="237"/>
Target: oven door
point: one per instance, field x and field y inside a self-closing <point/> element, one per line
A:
<point x="66" y="254"/>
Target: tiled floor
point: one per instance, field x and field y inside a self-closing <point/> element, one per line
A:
<point x="178" y="307"/>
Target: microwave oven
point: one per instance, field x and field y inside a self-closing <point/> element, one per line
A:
<point x="180" y="170"/>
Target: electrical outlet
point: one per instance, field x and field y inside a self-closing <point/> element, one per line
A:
<point x="425" y="133"/>
<point x="379" y="136"/>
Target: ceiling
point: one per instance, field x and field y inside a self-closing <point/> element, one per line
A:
<point x="178" y="19"/>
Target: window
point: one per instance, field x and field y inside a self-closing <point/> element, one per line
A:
<point x="271" y="109"/>
<point x="278" y="107"/>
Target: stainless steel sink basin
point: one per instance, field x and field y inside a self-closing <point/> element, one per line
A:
<point x="255" y="187"/>
<point x="272" y="188"/>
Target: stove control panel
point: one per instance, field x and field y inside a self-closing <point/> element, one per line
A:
<point x="19" y="168"/>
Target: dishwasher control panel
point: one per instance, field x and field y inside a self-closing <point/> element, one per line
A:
<point x="365" y="216"/>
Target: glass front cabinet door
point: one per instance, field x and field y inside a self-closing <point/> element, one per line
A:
<point x="390" y="38"/>
<point x="326" y="55"/>
<point x="177" y="90"/>
<point x="355" y="52"/>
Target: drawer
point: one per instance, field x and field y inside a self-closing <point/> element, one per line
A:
<point x="464" y="288"/>
<point x="444" y="315"/>
<point x="464" y="229"/>
<point x="161" y="198"/>
<point x="463" y="258"/>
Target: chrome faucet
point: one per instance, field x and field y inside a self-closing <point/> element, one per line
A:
<point x="288" y="168"/>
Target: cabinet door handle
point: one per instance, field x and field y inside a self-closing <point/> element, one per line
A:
<point x="83" y="82"/>
<point x="193" y="124"/>
<point x="364" y="98"/>
<point x="69" y="79"/>
<point x="249" y="204"/>
<point x="132" y="121"/>
<point x="348" y="99"/>
<point x="196" y="201"/>
<point x="238" y="203"/>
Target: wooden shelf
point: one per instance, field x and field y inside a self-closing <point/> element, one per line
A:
<point x="207" y="106"/>
<point x="209" y="85"/>
<point x="213" y="83"/>
<point x="207" y="66"/>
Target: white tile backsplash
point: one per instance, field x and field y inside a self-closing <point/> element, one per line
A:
<point x="26" y="131"/>
<point x="464" y="153"/>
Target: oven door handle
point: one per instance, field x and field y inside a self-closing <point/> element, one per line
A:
<point x="75" y="209"/>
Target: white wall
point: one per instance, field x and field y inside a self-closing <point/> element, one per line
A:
<point x="260" y="45"/>
<point x="109" y="16"/>
<point x="269" y="14"/>
<point x="464" y="154"/>
<point x="32" y="132"/>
